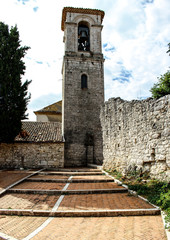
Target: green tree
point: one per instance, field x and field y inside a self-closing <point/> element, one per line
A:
<point x="13" y="93"/>
<point x="162" y="88"/>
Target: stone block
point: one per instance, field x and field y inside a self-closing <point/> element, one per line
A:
<point x="160" y="157"/>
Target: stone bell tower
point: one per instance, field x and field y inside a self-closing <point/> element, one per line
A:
<point x="83" y="86"/>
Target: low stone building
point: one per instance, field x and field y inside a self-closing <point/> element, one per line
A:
<point x="51" y="113"/>
<point x="38" y="145"/>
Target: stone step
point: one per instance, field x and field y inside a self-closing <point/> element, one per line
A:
<point x="76" y="177"/>
<point x="76" y="170"/>
<point x="94" y="166"/>
<point x="67" y="192"/>
<point x="58" y="194"/>
<point x="90" y="213"/>
<point x="70" y="181"/>
<point x="41" y="200"/>
<point x="72" y="173"/>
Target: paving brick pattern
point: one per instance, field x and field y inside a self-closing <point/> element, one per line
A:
<point x="119" y="228"/>
<point x="40" y="185"/>
<point x="41" y="176"/>
<point x="19" y="227"/>
<point x="81" y="228"/>
<point x="102" y="201"/>
<point x="9" y="177"/>
<point x="78" y="186"/>
<point x="28" y="201"/>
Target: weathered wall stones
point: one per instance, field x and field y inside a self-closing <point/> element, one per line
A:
<point x="81" y="105"/>
<point x="31" y="155"/>
<point x="137" y="134"/>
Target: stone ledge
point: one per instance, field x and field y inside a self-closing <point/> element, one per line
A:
<point x="77" y="169"/>
<point x="95" y="166"/>
<point x="73" y="173"/>
<point x="87" y="213"/>
<point x="67" y="192"/>
<point x="70" y="181"/>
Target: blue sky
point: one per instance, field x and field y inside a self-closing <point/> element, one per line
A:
<point x="135" y="38"/>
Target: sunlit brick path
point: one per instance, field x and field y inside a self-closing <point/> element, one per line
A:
<point x="76" y="204"/>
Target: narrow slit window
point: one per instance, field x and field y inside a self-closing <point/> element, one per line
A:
<point x="84" y="81"/>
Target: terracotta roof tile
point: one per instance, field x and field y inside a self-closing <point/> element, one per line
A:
<point x="40" y="132"/>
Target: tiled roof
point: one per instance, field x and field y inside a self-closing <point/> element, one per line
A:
<point x="80" y="10"/>
<point x="40" y="132"/>
<point x="55" y="108"/>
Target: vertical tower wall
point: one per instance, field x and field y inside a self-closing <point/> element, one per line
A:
<point x="81" y="106"/>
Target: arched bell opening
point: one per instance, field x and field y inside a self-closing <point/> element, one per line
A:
<point x="83" y="37"/>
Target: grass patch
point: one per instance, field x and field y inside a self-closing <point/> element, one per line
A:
<point x="115" y="174"/>
<point x="155" y="191"/>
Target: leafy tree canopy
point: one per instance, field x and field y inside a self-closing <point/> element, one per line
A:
<point x="162" y="88"/>
<point x="13" y="93"/>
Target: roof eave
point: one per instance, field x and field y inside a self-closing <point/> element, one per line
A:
<point x="80" y="10"/>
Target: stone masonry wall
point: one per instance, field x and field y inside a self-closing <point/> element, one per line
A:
<point x="136" y="135"/>
<point x="31" y="155"/>
<point x="81" y="106"/>
<point x="82" y="110"/>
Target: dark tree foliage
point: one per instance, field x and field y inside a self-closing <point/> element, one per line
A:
<point x="169" y="48"/>
<point x="13" y="93"/>
<point x="162" y="88"/>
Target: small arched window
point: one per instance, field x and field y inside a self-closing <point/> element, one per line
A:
<point x="84" y="81"/>
<point x="83" y="37"/>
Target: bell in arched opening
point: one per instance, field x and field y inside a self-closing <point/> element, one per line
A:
<point x="83" y="38"/>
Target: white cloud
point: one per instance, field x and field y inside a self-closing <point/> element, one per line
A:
<point x="140" y="35"/>
<point x="136" y="34"/>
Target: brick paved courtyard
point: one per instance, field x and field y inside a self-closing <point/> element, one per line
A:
<point x="58" y="197"/>
<point x="124" y="228"/>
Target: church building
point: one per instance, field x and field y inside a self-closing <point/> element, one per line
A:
<point x="68" y="133"/>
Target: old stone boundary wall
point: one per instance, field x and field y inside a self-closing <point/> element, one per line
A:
<point x="31" y="155"/>
<point x="136" y="136"/>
